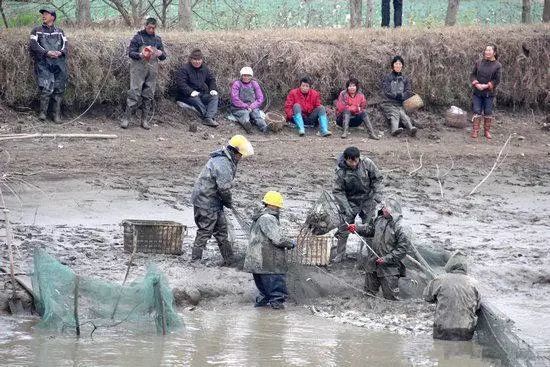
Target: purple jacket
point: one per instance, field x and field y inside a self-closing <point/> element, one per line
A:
<point x="236" y="95"/>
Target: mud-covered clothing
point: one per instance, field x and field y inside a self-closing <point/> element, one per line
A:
<point x="189" y="79"/>
<point x="266" y="253"/>
<point x="272" y="288"/>
<point x="396" y="88"/>
<point x="354" y="188"/>
<point x="246" y="95"/>
<point x="212" y="223"/>
<point x="141" y="40"/>
<point x="212" y="191"/>
<point x="308" y="102"/>
<point x="205" y="104"/>
<point x="396" y="114"/>
<point x="486" y="72"/>
<point x="51" y="73"/>
<point x="458" y="299"/>
<point x="389" y="285"/>
<point x="354" y="120"/>
<point x="355" y="104"/>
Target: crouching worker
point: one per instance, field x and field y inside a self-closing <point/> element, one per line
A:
<point x="266" y="254"/>
<point x="212" y="192"/>
<point x="458" y="299"/>
<point x="390" y="242"/>
<point x="246" y="100"/>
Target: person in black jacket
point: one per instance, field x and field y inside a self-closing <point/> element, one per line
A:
<point x="145" y="50"/>
<point x="197" y="87"/>
<point x="48" y="47"/>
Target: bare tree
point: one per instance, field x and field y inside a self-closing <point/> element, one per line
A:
<point x="162" y="13"/>
<point x="526" y="12"/>
<point x="185" y="15"/>
<point x="546" y="11"/>
<point x="131" y="11"/>
<point x="82" y="10"/>
<point x="370" y="13"/>
<point x="355" y="11"/>
<point x="452" y="12"/>
<point x="2" y="13"/>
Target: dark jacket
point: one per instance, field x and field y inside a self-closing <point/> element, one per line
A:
<point x="44" y="39"/>
<point x="391" y="241"/>
<point x="396" y="88"/>
<point x="143" y="39"/>
<point x="212" y="191"/>
<point x="353" y="187"/>
<point x="190" y="78"/>
<point x="267" y="244"/>
<point x="486" y="72"/>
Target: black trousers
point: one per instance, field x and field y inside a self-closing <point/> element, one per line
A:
<point x="397" y="13"/>
<point x="272" y="288"/>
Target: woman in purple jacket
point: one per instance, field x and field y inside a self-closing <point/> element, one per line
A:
<point x="246" y="100"/>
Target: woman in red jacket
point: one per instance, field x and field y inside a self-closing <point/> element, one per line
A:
<point x="351" y="109"/>
<point x="303" y="107"/>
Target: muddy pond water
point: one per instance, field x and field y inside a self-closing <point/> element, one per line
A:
<point x="234" y="337"/>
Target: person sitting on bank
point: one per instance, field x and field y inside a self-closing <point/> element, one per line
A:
<point x="303" y="107"/>
<point x="246" y="100"/>
<point x="145" y="50"/>
<point x="458" y="299"/>
<point x="266" y="253"/>
<point x="197" y="87"/>
<point x="351" y="109"/>
<point x="396" y="88"/>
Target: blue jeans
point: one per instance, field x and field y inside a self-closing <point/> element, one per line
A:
<point x="313" y="118"/>
<point x="483" y="105"/>
<point x="272" y="288"/>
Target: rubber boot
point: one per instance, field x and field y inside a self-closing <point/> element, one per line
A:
<point x="227" y="254"/>
<point x="126" y="118"/>
<point x="370" y="129"/>
<point x="323" y="126"/>
<point x="196" y="253"/>
<point x="476" y="120"/>
<point x="487" y="121"/>
<point x="337" y="253"/>
<point x="44" y="104"/>
<point x="299" y="121"/>
<point x="345" y="126"/>
<point x="395" y="129"/>
<point x="146" y="114"/>
<point x="57" y="108"/>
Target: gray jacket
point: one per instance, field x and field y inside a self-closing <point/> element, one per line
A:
<point x="457" y="297"/>
<point x="396" y="88"/>
<point x="353" y="187"/>
<point x="267" y="244"/>
<point x="212" y="190"/>
<point x="391" y="241"/>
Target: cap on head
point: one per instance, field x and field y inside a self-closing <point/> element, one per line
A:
<point x="241" y="145"/>
<point x="273" y="198"/>
<point x="247" y="70"/>
<point x="49" y="11"/>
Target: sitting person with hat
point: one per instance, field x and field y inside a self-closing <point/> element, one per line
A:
<point x="246" y="100"/>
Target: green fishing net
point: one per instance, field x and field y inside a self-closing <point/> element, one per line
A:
<point x="72" y="303"/>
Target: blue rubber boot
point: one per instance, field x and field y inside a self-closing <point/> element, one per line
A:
<point x="323" y="125"/>
<point x="299" y="121"/>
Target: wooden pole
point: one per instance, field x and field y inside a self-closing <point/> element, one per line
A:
<point x="40" y="135"/>
<point x="76" y="320"/>
<point x="134" y="242"/>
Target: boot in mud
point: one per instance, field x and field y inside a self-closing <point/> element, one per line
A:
<point x="44" y="104"/>
<point x="125" y="122"/>
<point x="345" y="125"/>
<point x="370" y="129"/>
<point x="227" y="254"/>
<point x="476" y="120"/>
<point x="487" y="121"/>
<point x="146" y="115"/>
<point x="57" y="108"/>
<point x="196" y="253"/>
<point x="395" y="129"/>
<point x="338" y="253"/>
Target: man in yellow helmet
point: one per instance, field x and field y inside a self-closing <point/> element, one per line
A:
<point x="212" y="192"/>
<point x="266" y="254"/>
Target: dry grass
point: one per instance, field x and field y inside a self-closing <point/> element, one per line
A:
<point x="439" y="61"/>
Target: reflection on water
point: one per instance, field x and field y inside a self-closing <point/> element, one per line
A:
<point x="235" y="337"/>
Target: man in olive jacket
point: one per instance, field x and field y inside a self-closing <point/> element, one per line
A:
<point x="266" y="254"/>
<point x="390" y="242"/>
<point x="357" y="189"/>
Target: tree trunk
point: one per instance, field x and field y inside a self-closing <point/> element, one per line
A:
<point x="3" y="15"/>
<point x="546" y="11"/>
<point x="452" y="12"/>
<point x="82" y="9"/>
<point x="526" y="12"/>
<point x="185" y="15"/>
<point x="370" y="13"/>
<point x="355" y="8"/>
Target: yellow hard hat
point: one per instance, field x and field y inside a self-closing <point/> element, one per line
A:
<point x="273" y="198"/>
<point x="242" y="145"/>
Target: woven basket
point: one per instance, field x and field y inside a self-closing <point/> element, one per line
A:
<point x="312" y="250"/>
<point x="275" y="121"/>
<point x="457" y="120"/>
<point x="153" y="236"/>
<point x="413" y="103"/>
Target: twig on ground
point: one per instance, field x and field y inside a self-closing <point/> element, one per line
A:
<point x="39" y="135"/>
<point x="497" y="163"/>
<point x="417" y="168"/>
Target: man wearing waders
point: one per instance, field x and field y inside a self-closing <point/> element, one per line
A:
<point x="212" y="192"/>
<point x="145" y="51"/>
<point x="390" y="243"/>
<point x="458" y="299"/>
<point x="48" y="47"/>
<point x="357" y="189"/>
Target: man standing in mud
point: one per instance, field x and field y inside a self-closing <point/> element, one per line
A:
<point x="357" y="189"/>
<point x="48" y="47"/>
<point x="458" y="299"/>
<point x="145" y="50"/>
<point x="390" y="243"/>
<point x="212" y="192"/>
